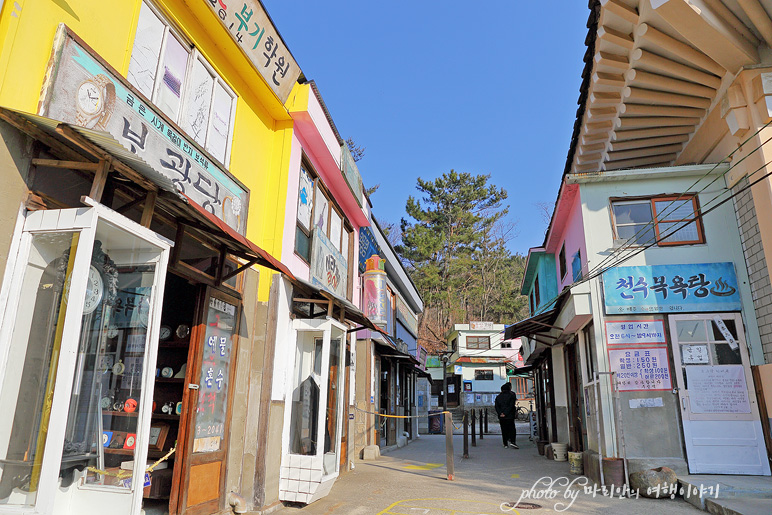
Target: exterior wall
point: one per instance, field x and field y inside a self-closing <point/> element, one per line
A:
<point x="661" y="441"/>
<point x="560" y="390"/>
<point x="546" y="272"/>
<point x="262" y="128"/>
<point x="14" y="164"/>
<point x="572" y="236"/>
<point x="757" y="263"/>
<point x="492" y="386"/>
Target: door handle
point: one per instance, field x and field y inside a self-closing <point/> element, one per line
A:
<point x="192" y="386"/>
<point x="683" y="403"/>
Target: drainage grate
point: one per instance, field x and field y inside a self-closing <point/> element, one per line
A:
<point x="523" y="505"/>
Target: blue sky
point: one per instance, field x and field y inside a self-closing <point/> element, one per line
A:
<point x="480" y="87"/>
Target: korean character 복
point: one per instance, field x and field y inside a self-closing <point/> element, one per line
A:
<point x="282" y="72"/>
<point x="660" y="286"/>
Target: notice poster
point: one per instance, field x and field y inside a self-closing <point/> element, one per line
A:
<point x="717" y="389"/>
<point x="621" y="332"/>
<point x="641" y="369"/>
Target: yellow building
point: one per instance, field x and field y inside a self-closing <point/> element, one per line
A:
<point x="144" y="147"/>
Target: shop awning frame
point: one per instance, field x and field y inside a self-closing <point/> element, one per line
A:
<point x="539" y="324"/>
<point x="99" y="152"/>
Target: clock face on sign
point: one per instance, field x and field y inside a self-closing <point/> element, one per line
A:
<point x="94" y="291"/>
<point x="89" y="97"/>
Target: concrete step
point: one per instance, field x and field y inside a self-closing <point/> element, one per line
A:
<point x="719" y="492"/>
<point x="744" y="506"/>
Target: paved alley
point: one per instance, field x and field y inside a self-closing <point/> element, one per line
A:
<point x="412" y="480"/>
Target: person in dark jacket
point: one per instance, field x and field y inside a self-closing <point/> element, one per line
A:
<point x="506" y="408"/>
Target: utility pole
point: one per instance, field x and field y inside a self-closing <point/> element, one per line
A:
<point x="444" y="358"/>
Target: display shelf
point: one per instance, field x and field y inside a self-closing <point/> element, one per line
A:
<point x="178" y="380"/>
<point x="172" y="344"/>
<point x="119" y="413"/>
<point x="151" y="453"/>
<point x="165" y="416"/>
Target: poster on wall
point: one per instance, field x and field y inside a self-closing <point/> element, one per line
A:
<point x="700" y="287"/>
<point x="81" y="91"/>
<point x="640" y="369"/>
<point x="305" y="199"/>
<point x="328" y="266"/>
<point x="212" y="405"/>
<point x="627" y="332"/>
<point x="717" y="389"/>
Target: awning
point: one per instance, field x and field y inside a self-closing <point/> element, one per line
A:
<point x="513" y="371"/>
<point x="487" y="359"/>
<point x="305" y="292"/>
<point x="84" y="148"/>
<point x="540" y="323"/>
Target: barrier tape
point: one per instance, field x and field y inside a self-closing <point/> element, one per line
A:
<point x="123" y="474"/>
<point x="414" y="416"/>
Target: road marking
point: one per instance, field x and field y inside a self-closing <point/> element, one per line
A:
<point x="515" y="476"/>
<point x="427" y="466"/>
<point x="488" y="508"/>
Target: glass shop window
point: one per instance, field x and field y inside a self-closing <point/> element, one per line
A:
<point x="483" y="375"/>
<point x="305" y="394"/>
<point x="30" y="373"/>
<point x="175" y="76"/>
<point x="334" y="390"/>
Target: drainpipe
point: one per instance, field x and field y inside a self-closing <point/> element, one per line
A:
<point x="238" y="503"/>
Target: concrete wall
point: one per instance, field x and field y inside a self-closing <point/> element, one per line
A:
<point x="560" y="389"/>
<point x="14" y="166"/>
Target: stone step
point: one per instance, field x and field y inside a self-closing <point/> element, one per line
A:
<point x="739" y="506"/>
<point x="698" y="490"/>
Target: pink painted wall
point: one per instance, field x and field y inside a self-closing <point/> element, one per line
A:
<point x="568" y="228"/>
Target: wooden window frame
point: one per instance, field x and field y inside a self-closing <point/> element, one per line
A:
<point x="477" y="345"/>
<point x="659" y="198"/>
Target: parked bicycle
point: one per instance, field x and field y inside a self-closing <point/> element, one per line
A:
<point x="522" y="414"/>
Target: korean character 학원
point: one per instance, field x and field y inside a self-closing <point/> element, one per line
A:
<point x="279" y="65"/>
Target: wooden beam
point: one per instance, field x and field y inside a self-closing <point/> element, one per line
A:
<point x="616" y="37"/>
<point x="239" y="270"/>
<point x="683" y="50"/>
<point x="100" y="179"/>
<point x="605" y="98"/>
<point x="29" y="128"/>
<point x="595" y="127"/>
<point x="594" y="167"/>
<point x="619" y="62"/>
<point x="645" y="152"/>
<point x="149" y="208"/>
<point x="759" y="18"/>
<point x="648" y="142"/>
<point x="624" y="11"/>
<point x="653" y="62"/>
<point x="72" y="165"/>
<point x="640" y="122"/>
<point x="608" y="79"/>
<point x="591" y="158"/>
<point x="662" y="83"/>
<point x="644" y="161"/>
<point x="646" y="96"/>
<point x="594" y="147"/>
<point x="737" y="24"/>
<point x="599" y="114"/>
<point x="653" y="110"/>
<point x="639" y="134"/>
<point x="591" y="138"/>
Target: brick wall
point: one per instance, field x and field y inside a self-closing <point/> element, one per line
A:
<point x="756" y="263"/>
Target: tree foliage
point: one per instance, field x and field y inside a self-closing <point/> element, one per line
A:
<point x="455" y="248"/>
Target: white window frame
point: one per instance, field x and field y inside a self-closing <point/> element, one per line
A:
<point x="193" y="55"/>
<point x="83" y="220"/>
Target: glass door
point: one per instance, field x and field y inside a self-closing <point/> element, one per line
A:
<point x="721" y="424"/>
<point x="206" y="404"/>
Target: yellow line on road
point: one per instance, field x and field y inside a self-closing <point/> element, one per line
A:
<point x="427" y="466"/>
<point x="450" y="511"/>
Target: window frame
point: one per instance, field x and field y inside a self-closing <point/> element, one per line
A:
<point x="477" y="345"/>
<point x="479" y="371"/>
<point x="194" y="55"/>
<point x="652" y="207"/>
<point x="563" y="268"/>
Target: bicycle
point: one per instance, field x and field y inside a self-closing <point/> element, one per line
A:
<point x="521" y="414"/>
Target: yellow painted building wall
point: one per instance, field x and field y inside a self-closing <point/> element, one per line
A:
<point x="262" y="133"/>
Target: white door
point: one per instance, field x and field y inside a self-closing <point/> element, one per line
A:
<point x="720" y="417"/>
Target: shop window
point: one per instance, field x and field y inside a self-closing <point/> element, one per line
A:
<point x="478" y="342"/>
<point x="305" y="396"/>
<point x="645" y="221"/>
<point x="483" y="375"/>
<point x="562" y="261"/>
<point x="576" y="266"/>
<point x="175" y="76"/>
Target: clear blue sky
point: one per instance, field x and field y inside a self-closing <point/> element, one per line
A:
<point x="481" y="87"/>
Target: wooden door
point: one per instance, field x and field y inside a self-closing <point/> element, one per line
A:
<point x="205" y="423"/>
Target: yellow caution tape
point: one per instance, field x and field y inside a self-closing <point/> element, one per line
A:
<point x="123" y="474"/>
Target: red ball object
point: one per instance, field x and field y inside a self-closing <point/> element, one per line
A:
<point x="130" y="406"/>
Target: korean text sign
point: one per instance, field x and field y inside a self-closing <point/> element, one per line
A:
<point x="700" y="287"/>
<point x="212" y="404"/>
<point x="625" y="332"/>
<point x="641" y="369"/>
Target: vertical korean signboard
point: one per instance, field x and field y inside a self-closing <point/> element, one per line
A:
<point x="212" y="405"/>
<point x="251" y="29"/>
<point x="80" y="90"/>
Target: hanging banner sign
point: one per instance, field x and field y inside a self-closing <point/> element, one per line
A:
<point x="404" y="315"/>
<point x="368" y="247"/>
<point x="80" y="90"/>
<point x="671" y="288"/>
<point x="328" y="266"/>
<point x="635" y="332"/>
<point x="251" y="29"/>
<point x="717" y="389"/>
<point x="640" y="369"/>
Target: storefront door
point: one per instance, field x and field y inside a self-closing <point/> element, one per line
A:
<point x="206" y="405"/>
<point x="720" y="417"/>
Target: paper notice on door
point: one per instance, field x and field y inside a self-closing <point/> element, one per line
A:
<point x="717" y="389"/>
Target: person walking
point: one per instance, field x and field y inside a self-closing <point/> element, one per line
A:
<point x="506" y="408"/>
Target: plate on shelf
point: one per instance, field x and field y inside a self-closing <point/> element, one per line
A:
<point x="165" y="333"/>
<point x="183" y="331"/>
